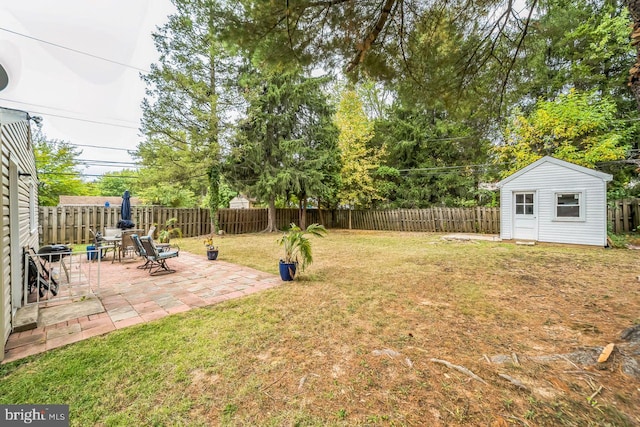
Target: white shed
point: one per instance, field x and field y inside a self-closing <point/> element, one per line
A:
<point x="19" y="212"/>
<point x="241" y="202"/>
<point x="555" y="201"/>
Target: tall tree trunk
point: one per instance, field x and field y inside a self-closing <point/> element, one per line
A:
<point x="634" y="72"/>
<point x="214" y="199"/>
<point x="214" y="173"/>
<point x="320" y="213"/>
<point x="271" y="214"/>
<point x="303" y="211"/>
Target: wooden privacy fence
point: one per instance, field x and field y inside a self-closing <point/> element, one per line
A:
<point x="460" y="220"/>
<point x="624" y="215"/>
<point x="469" y="220"/>
<point x="71" y="224"/>
<point x="240" y="221"/>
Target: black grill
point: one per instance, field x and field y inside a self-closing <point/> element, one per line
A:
<point x="53" y="253"/>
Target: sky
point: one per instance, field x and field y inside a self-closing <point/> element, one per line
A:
<point x="89" y="98"/>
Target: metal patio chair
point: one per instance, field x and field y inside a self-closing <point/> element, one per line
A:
<point x="156" y="260"/>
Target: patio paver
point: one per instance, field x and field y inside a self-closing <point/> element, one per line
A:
<point x="130" y="296"/>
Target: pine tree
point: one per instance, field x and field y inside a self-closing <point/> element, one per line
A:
<point x="182" y="110"/>
<point x="287" y="144"/>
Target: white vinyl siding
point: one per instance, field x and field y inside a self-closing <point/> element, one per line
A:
<point x="549" y="179"/>
<point x="17" y="158"/>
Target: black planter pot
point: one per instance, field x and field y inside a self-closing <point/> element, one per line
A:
<point x="287" y="271"/>
<point x="212" y="254"/>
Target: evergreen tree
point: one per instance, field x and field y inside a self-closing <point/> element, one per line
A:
<point x="430" y="160"/>
<point x="287" y="144"/>
<point x="182" y="110"/>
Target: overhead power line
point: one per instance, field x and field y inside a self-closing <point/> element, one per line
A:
<point x="102" y="147"/>
<point x="106" y="162"/>
<point x="75" y="50"/>
<point x="59" y="109"/>
<point x="450" y="167"/>
<point x="86" y="174"/>
<point x="84" y="120"/>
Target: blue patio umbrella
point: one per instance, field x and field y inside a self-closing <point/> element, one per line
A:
<point x="125" y="212"/>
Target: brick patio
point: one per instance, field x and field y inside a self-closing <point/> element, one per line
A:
<point x="129" y="296"/>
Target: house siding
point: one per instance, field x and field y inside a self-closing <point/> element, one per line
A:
<point x="15" y="142"/>
<point x="546" y="180"/>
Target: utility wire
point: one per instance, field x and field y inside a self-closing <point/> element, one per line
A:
<point x="450" y="167"/>
<point x="55" y="108"/>
<point x="75" y="50"/>
<point x="87" y="174"/>
<point x="86" y="120"/>
<point x="106" y="163"/>
<point x="69" y="117"/>
<point x="99" y="146"/>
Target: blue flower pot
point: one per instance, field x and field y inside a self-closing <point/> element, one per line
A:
<point x="287" y="271"/>
<point x="212" y="254"/>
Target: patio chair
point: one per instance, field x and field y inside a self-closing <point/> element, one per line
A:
<point x="101" y="246"/>
<point x="140" y="251"/>
<point x="127" y="246"/>
<point x="160" y="246"/>
<point x="39" y="276"/>
<point x="157" y="260"/>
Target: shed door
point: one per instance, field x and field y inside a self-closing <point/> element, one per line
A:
<point x="525" y="215"/>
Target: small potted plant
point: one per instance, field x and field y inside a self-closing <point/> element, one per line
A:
<point x="212" y="251"/>
<point x="297" y="249"/>
<point x="169" y="230"/>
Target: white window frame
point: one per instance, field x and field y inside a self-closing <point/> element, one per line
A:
<point x="524" y="203"/>
<point x="581" y="206"/>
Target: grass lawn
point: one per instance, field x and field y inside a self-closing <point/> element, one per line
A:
<point x="351" y="341"/>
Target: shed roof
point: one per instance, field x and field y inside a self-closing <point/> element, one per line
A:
<point x="548" y="159"/>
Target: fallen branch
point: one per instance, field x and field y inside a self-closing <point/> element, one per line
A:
<point x="266" y="387"/>
<point x="459" y="368"/>
<point x="567" y="359"/>
<point x="516" y="382"/>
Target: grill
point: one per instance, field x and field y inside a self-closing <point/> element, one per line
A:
<point x="53" y="253"/>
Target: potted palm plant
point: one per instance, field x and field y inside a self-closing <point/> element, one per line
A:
<point x="169" y="230"/>
<point x="212" y="250"/>
<point x="297" y="249"/>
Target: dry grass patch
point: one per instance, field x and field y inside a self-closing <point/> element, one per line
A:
<point x="351" y="342"/>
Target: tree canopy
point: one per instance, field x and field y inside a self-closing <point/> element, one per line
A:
<point x="442" y="82"/>
<point x="58" y="169"/>
<point x="577" y="127"/>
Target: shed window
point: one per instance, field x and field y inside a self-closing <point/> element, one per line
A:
<point x="524" y="204"/>
<point x="569" y="206"/>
